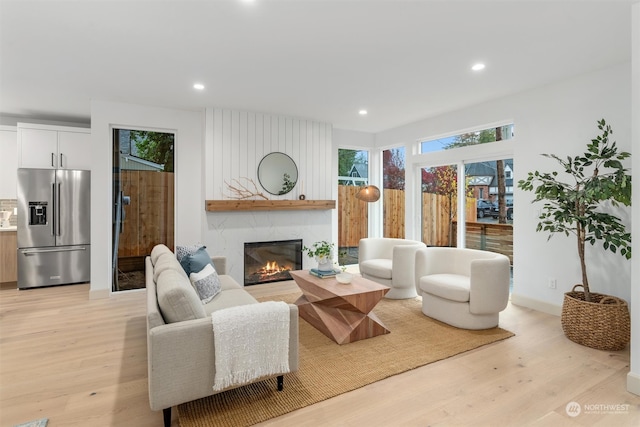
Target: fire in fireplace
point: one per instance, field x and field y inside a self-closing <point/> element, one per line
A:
<point x="271" y="261"/>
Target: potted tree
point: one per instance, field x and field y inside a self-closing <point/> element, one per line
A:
<point x="595" y="178"/>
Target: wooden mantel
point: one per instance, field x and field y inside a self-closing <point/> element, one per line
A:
<point x="268" y="205"/>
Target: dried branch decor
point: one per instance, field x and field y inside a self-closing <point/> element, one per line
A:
<point x="240" y="191"/>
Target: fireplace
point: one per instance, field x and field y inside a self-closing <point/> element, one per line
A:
<point x="266" y="262"/>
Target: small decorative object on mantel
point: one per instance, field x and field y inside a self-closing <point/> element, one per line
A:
<point x="302" y="197"/>
<point x="323" y="253"/>
<point x="576" y="207"/>
<point x="241" y="192"/>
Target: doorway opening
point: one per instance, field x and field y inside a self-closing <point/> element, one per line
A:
<point x="143" y="201"/>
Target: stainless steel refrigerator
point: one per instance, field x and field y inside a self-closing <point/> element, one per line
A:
<point x="54" y="227"/>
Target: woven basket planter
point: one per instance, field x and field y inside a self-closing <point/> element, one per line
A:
<point x="603" y="324"/>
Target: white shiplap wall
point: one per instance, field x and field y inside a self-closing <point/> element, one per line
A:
<point x="235" y="142"/>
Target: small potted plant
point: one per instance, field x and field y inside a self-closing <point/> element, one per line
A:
<point x="576" y="207"/>
<point x="322" y="252"/>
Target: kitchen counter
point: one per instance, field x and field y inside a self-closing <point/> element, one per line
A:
<point x="12" y="228"/>
<point x="8" y="255"/>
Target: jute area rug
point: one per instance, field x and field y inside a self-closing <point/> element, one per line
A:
<point x="328" y="369"/>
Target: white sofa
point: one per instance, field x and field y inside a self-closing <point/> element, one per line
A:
<point x="465" y="288"/>
<point x="389" y="262"/>
<point x="180" y="341"/>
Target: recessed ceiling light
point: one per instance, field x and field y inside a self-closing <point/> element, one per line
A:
<point x="198" y="86"/>
<point x="477" y="67"/>
<point x="362" y="112"/>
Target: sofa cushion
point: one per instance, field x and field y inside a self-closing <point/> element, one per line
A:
<point x="229" y="298"/>
<point x="182" y="251"/>
<point x="206" y="283"/>
<point x="157" y="251"/>
<point x="196" y="261"/>
<point x="177" y="299"/>
<point x="167" y="261"/>
<point x="377" y="267"/>
<point x="454" y="287"/>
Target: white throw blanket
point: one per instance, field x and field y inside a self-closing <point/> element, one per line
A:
<point x="251" y="341"/>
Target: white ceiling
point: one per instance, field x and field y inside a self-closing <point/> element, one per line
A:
<point x="322" y="60"/>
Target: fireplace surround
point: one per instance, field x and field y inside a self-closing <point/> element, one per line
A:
<point x="271" y="261"/>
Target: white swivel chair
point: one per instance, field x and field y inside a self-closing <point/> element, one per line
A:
<point x="390" y="262"/>
<point x="465" y="288"/>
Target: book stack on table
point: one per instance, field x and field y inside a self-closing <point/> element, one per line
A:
<point x="323" y="274"/>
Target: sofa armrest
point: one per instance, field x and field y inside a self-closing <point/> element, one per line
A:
<point x="220" y="264"/>
<point x="181" y="360"/>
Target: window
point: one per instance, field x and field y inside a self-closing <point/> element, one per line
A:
<point x="393" y="172"/>
<point x="470" y="138"/>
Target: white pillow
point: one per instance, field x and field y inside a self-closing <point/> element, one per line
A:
<point x="206" y="283"/>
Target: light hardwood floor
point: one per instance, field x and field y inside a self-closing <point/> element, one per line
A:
<point x="82" y="362"/>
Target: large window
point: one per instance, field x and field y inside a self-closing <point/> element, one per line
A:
<point x="393" y="193"/>
<point x="353" y="222"/>
<point x="470" y="138"/>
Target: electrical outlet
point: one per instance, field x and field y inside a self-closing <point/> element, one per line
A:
<point x="553" y="283"/>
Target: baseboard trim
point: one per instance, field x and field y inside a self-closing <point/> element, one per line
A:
<point x="535" y="304"/>
<point x="99" y="293"/>
<point x="633" y="383"/>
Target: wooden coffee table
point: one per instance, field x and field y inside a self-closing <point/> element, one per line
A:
<point x="341" y="312"/>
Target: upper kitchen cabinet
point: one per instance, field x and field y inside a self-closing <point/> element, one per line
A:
<point x="53" y="147"/>
<point x="8" y="162"/>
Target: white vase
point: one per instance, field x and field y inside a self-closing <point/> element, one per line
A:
<point x="324" y="263"/>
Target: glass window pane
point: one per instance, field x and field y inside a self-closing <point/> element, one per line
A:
<point x="353" y="222"/>
<point x="393" y="194"/>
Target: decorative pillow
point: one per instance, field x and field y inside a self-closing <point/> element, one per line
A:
<point x="195" y="262"/>
<point x="206" y="283"/>
<point x="182" y="251"/>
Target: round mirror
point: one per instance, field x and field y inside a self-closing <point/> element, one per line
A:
<point x="277" y="173"/>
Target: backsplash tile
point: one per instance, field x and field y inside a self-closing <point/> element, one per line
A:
<point x="10" y="205"/>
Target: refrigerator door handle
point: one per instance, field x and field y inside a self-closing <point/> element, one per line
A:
<point x="58" y="212"/>
<point x="53" y="217"/>
<point x="28" y="252"/>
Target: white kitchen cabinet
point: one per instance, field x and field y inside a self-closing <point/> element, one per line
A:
<point x="53" y="147"/>
<point x="74" y="150"/>
<point x="8" y="161"/>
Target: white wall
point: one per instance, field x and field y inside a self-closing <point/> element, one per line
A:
<point x="189" y="194"/>
<point x="8" y="162"/>
<point x="633" y="378"/>
<point x="561" y="119"/>
<point x="235" y="142"/>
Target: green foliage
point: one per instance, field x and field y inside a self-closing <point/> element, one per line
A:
<point x="287" y="184"/>
<point x="576" y="207"/>
<point x="346" y="159"/>
<point x="319" y="249"/>
<point x="156" y="147"/>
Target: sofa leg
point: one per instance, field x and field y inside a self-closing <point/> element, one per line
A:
<point x="167" y="416"/>
<point x="280" y="382"/>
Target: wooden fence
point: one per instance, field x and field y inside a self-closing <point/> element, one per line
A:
<point x="149" y="218"/>
<point x="490" y="237"/>
<point x="437" y="230"/>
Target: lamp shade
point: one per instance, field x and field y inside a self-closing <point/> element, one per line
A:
<point x="368" y="193"/>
